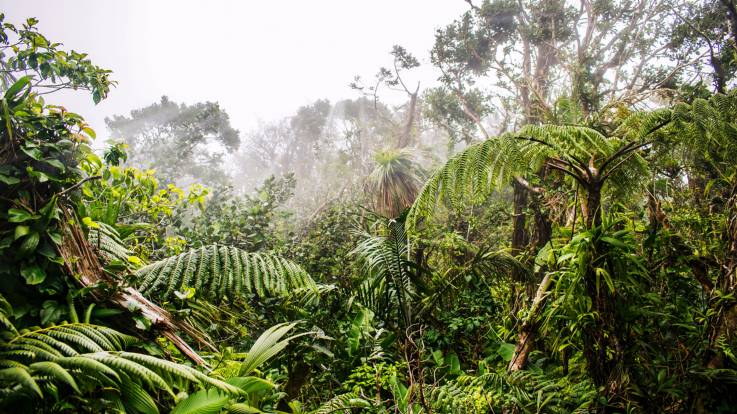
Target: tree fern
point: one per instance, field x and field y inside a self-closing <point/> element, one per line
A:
<point x="218" y="273"/>
<point x="583" y="155"/>
<point x="707" y="123"/>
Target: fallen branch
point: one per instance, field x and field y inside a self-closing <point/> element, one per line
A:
<point x="82" y="263"/>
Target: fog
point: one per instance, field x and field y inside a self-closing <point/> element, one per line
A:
<point x="259" y="60"/>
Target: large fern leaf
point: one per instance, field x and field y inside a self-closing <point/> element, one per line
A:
<point x="343" y="404"/>
<point x="471" y="174"/>
<point x="519" y="391"/>
<point x="218" y="273"/>
<point x="479" y="169"/>
<point x="78" y="358"/>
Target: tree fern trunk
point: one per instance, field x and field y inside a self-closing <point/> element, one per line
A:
<point x="725" y="324"/>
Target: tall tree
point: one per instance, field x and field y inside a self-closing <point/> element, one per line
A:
<point x="533" y="62"/>
<point x="395" y="79"/>
<point x="708" y="29"/>
<point x="181" y="142"/>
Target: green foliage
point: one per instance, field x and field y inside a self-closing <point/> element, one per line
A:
<point x="529" y="391"/>
<point x="246" y="222"/>
<point x="49" y="364"/>
<point x="394" y="182"/>
<point x="48" y="66"/>
<point x="585" y="265"/>
<point x="143" y="212"/>
<point x="449" y="111"/>
<point x="221" y="273"/>
<point x="202" y="402"/>
<point x="323" y="246"/>
<point x="108" y="242"/>
<point x="386" y="259"/>
<point x="271" y="342"/>
<point x="375" y="378"/>
<point x="173" y="139"/>
<point x="571" y="150"/>
<point x="343" y="403"/>
<point x="40" y="148"/>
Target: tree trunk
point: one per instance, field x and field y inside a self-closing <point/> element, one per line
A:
<point x="405" y="139"/>
<point x="591" y="207"/>
<point x="299" y="374"/>
<point x="725" y="324"/>
<point x="527" y="333"/>
<point x="520" y="238"/>
<point x="602" y="347"/>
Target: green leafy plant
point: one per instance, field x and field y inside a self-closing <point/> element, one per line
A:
<point x="220" y="272"/>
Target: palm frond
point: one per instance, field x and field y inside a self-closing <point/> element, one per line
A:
<point x="267" y="346"/>
<point x="386" y="259"/>
<point x="202" y="402"/>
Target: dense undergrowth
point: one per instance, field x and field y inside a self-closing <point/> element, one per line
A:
<point x="583" y="259"/>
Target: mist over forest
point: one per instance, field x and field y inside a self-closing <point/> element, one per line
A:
<point x="537" y="214"/>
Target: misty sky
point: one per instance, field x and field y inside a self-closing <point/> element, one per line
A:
<point x="259" y="59"/>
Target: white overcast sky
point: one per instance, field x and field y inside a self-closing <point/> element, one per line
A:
<point x="260" y="60"/>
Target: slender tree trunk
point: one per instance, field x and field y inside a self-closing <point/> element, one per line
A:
<point x="405" y="139"/>
<point x="520" y="237"/>
<point x="725" y="326"/>
<point x="299" y="374"/>
<point x="527" y="333"/>
<point x="591" y="207"/>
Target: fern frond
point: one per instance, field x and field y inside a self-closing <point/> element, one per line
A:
<point x="135" y="398"/>
<point x="84" y="357"/>
<point x="119" y="364"/>
<point x="472" y="173"/>
<point x="22" y="377"/>
<point x="343" y="404"/>
<point x="521" y="390"/>
<point x="54" y="372"/>
<point x="220" y="273"/>
<point x="107" y="241"/>
<point x="308" y="297"/>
